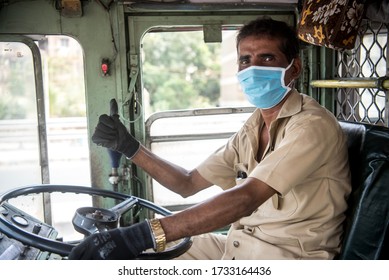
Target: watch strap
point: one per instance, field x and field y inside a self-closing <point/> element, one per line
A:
<point x="159" y="235"/>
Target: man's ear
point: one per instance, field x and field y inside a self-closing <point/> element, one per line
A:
<point x="296" y="68"/>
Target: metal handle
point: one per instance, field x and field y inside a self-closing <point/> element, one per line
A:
<point x="381" y="83"/>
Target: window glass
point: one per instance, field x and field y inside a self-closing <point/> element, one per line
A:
<point x="19" y="147"/>
<point x="180" y="71"/>
<point x="66" y="110"/>
<point x="19" y="143"/>
<point x="66" y="127"/>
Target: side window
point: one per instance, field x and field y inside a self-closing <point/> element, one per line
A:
<point x="191" y="100"/>
<point x="65" y="110"/>
<point x="68" y="148"/>
<point x="19" y="156"/>
<point x="180" y="71"/>
<point x="64" y="124"/>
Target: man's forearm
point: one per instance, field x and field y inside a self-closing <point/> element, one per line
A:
<point x="218" y="211"/>
<point x="169" y="175"/>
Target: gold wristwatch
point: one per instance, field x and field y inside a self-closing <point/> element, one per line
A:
<point x="159" y="235"/>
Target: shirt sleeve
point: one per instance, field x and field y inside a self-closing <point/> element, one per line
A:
<point x="218" y="168"/>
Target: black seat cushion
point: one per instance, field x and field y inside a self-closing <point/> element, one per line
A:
<point x="366" y="226"/>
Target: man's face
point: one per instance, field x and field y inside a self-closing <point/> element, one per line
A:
<point x="262" y="51"/>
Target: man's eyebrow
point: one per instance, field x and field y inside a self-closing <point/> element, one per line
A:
<point x="243" y="57"/>
<point x="267" y="54"/>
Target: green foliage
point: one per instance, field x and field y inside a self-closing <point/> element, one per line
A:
<point x="17" y="86"/>
<point x="65" y="83"/>
<point x="66" y="87"/>
<point x="180" y="71"/>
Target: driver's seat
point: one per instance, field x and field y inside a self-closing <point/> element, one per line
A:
<point x="366" y="233"/>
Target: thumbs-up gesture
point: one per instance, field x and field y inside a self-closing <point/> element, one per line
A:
<point x="111" y="133"/>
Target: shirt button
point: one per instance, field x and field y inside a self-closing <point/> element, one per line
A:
<point x="236" y="243"/>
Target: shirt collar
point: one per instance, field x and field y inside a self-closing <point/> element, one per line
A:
<point x="292" y="105"/>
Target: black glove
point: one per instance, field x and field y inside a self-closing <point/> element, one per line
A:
<point x="116" y="244"/>
<point x="112" y="134"/>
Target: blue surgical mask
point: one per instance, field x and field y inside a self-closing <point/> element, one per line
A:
<point x="264" y="87"/>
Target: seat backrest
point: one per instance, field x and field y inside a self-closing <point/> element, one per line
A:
<point x="366" y="233"/>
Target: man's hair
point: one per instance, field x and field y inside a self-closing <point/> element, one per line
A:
<point x="269" y="28"/>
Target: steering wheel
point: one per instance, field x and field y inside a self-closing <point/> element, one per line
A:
<point x="87" y="220"/>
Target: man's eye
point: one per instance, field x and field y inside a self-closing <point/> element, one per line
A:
<point x="268" y="58"/>
<point x="244" y="62"/>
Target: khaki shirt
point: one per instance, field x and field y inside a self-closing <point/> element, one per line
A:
<point x="306" y="162"/>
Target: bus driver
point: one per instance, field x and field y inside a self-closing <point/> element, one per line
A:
<point x="292" y="203"/>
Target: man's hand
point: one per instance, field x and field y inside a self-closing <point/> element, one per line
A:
<point x="112" y="134"/>
<point x="116" y="244"/>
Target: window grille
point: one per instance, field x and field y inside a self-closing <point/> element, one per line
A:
<point x="368" y="60"/>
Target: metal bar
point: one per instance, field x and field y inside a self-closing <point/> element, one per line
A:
<point x="140" y="6"/>
<point x="190" y="113"/>
<point x="377" y="83"/>
<point x="124" y="206"/>
<point x="190" y="137"/>
<point x="196" y="112"/>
